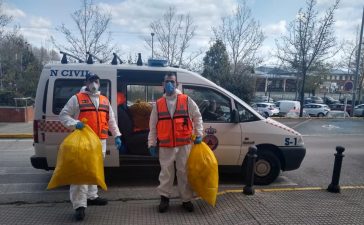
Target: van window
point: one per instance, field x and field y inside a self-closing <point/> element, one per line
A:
<point x="244" y="114"/>
<point x="44" y="106"/>
<point x="64" y="89"/>
<point x="148" y="93"/>
<point x="214" y="106"/>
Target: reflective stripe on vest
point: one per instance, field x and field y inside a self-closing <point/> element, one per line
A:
<point x="98" y="120"/>
<point x="176" y="131"/>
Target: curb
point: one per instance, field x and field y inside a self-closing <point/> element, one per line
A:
<point x="16" y="135"/>
<point x="289" y="189"/>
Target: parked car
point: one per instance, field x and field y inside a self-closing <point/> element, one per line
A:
<point x="359" y="110"/>
<point x="330" y="100"/>
<point x="318" y="110"/>
<point x="337" y="114"/>
<point x="285" y="106"/>
<point x="341" y="107"/>
<point x="266" y="109"/>
<point x="314" y="99"/>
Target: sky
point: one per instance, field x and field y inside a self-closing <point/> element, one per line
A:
<point x="38" y="20"/>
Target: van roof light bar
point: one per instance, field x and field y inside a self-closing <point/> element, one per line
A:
<point x="90" y="60"/>
<point x="115" y="59"/>
<point x="64" y="57"/>
<point x="157" y="62"/>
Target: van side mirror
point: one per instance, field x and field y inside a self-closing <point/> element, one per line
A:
<point x="235" y="116"/>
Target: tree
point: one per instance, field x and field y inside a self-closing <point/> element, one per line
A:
<point x="20" y="68"/>
<point x="350" y="53"/>
<point x="216" y="63"/>
<point x="217" y="68"/>
<point x="309" y="41"/>
<point x="4" y="19"/>
<point x="242" y="36"/>
<point x="173" y="33"/>
<point x="91" y="33"/>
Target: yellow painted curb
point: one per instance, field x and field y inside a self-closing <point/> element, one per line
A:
<point x="17" y="135"/>
<point x="290" y="189"/>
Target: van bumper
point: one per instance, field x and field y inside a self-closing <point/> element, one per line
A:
<point x="293" y="157"/>
<point x="39" y="162"/>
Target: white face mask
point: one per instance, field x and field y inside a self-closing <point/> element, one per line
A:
<point x="93" y="87"/>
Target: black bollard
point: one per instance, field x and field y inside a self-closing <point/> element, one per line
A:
<point x="252" y="156"/>
<point x="334" y="187"/>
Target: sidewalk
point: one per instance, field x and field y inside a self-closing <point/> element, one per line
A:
<point x="273" y="207"/>
<point x="16" y="130"/>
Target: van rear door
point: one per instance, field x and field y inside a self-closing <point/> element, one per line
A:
<point x="60" y="90"/>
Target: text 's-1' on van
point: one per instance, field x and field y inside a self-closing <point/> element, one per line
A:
<point x="230" y="125"/>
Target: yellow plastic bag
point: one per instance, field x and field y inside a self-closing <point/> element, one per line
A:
<point x="79" y="160"/>
<point x="203" y="175"/>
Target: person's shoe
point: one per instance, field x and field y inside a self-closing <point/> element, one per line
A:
<point x="97" y="201"/>
<point x="188" y="206"/>
<point x="80" y="213"/>
<point x="163" y="206"/>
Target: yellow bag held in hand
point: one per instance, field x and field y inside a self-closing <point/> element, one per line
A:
<point x="203" y="175"/>
<point x="80" y="160"/>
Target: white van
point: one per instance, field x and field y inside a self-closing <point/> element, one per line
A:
<point x="286" y="105"/>
<point x="229" y="135"/>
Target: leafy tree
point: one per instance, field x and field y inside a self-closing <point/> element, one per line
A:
<point x="20" y="69"/>
<point x="91" y="33"/>
<point x="309" y="41"/>
<point x="216" y="63"/>
<point x="4" y="19"/>
<point x="217" y="68"/>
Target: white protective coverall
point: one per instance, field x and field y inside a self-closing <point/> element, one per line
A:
<point x="80" y="193"/>
<point x="179" y="154"/>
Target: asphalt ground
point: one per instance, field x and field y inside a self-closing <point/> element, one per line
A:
<point x="138" y="205"/>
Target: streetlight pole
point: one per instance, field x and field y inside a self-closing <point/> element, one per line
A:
<point x="152" y="45"/>
<point x="357" y="63"/>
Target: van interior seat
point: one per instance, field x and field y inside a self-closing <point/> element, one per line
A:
<point x="136" y="141"/>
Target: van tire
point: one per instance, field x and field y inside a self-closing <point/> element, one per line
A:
<point x="266" y="114"/>
<point x="267" y="168"/>
<point x="320" y="115"/>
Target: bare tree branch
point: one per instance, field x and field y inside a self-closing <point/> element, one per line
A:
<point x="242" y="36"/>
<point x="91" y="34"/>
<point x="173" y="33"/>
<point x="310" y="41"/>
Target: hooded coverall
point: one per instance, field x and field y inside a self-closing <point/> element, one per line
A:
<point x="179" y="154"/>
<point x="80" y="193"/>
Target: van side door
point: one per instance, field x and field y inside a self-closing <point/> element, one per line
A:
<point x="221" y="134"/>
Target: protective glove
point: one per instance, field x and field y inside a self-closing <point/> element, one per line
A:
<point x="153" y="151"/>
<point x="119" y="145"/>
<point x="79" y="125"/>
<point x="198" y="140"/>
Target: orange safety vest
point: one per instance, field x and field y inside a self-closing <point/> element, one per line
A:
<point x="176" y="131"/>
<point x="98" y="119"/>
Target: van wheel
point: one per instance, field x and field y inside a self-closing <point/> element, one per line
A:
<point x="320" y="115"/>
<point x="266" y="114"/>
<point x="267" y="168"/>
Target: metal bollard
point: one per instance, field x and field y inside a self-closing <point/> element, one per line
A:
<point x="334" y="187"/>
<point x="252" y="156"/>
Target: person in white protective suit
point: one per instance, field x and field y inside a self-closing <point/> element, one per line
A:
<point x="93" y="106"/>
<point x="174" y="118"/>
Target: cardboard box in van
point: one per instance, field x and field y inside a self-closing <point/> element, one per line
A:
<point x="229" y="131"/>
